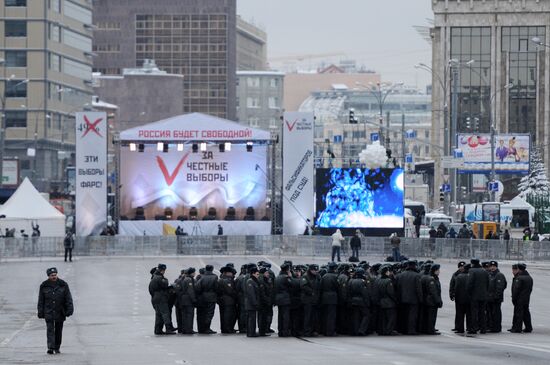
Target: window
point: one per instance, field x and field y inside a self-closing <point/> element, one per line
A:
<point x="77" y="41"/>
<point x="77" y="12"/>
<point x="16" y="119"/>
<point x="16" y="2"/>
<point x="427" y="133"/>
<point x="427" y="150"/>
<point x="55" y="33"/>
<point x="77" y="69"/>
<point x="274" y="83"/>
<point x="16" y="89"/>
<point x="55" y="62"/>
<point x="16" y="58"/>
<point x="55" y="5"/>
<point x="273" y="102"/>
<point x="252" y="102"/>
<point x="15" y="28"/>
<point x="253" y="82"/>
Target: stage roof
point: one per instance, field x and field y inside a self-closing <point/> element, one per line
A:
<point x="194" y="127"/>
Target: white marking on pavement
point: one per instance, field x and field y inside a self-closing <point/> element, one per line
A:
<point x="272" y="263"/>
<point x="25" y="326"/>
<point x="499" y="343"/>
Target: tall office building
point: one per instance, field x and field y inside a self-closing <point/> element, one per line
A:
<point x="488" y="45"/>
<point x="251" y="46"/>
<point x="193" y="38"/>
<point x="45" y="73"/>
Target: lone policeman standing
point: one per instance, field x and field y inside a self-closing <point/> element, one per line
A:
<point x="55" y="304"/>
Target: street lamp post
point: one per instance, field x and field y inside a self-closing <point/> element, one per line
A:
<point x="493" y="132"/>
<point x="381" y="95"/>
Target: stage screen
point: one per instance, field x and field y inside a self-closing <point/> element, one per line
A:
<point x="360" y="198"/>
<point x="179" y="180"/>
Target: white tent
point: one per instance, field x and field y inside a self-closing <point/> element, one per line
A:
<point x="26" y="207"/>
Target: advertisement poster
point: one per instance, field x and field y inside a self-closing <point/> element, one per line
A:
<point x="297" y="172"/>
<point x="91" y="173"/>
<point x="511" y="153"/>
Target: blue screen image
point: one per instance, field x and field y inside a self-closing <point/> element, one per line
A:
<point x="360" y="198"/>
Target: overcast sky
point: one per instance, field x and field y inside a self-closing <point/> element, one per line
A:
<point x="377" y="33"/>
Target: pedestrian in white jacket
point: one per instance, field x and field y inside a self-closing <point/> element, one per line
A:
<point x="337" y="240"/>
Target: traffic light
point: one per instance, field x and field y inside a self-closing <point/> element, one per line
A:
<point x="352" y="119"/>
<point x="441" y="194"/>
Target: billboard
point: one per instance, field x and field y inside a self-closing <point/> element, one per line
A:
<point x="180" y="179"/>
<point x="360" y="198"/>
<point x="10" y="173"/>
<point x="511" y="153"/>
<point x="91" y="173"/>
<point x="297" y="172"/>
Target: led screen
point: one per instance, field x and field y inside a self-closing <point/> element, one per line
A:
<point x="360" y="198"/>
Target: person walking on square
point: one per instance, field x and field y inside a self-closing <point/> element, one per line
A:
<point x="55" y="304"/>
<point x="68" y="243"/>
<point x="337" y="240"/>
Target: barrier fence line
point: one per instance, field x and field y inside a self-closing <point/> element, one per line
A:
<point x="279" y="246"/>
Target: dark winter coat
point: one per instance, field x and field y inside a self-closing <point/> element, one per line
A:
<point x="409" y="289"/>
<point x="355" y="242"/>
<point x="387" y="295"/>
<point x="497" y="285"/>
<point x="309" y="286"/>
<point x="68" y="242"/>
<point x="207" y="288"/>
<point x="359" y="293"/>
<point x="461" y="295"/>
<point x="252" y="297"/>
<point x="266" y="292"/>
<point x="431" y="288"/>
<point x="55" y="302"/>
<point x="452" y="284"/>
<point x="522" y="287"/>
<point x="227" y="292"/>
<point x="343" y="290"/>
<point x="158" y="288"/>
<point x="283" y="285"/>
<point x="185" y="291"/>
<point x="478" y="286"/>
<point x="329" y="289"/>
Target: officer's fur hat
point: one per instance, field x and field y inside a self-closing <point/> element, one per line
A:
<point x="51" y="270"/>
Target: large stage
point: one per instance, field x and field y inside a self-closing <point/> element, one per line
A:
<point x="206" y="228"/>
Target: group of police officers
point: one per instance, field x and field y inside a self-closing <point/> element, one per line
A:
<point x="337" y="299"/>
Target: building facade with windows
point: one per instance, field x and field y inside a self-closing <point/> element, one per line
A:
<point x="260" y="98"/>
<point x="485" y="52"/>
<point x="45" y="77"/>
<point x="335" y="133"/>
<point x="195" y="38"/>
<point x="251" y="46"/>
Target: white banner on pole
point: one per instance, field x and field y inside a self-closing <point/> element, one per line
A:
<point x="91" y="173"/>
<point x="298" y="156"/>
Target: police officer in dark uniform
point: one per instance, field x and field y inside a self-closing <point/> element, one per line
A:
<point x="409" y="292"/>
<point x="309" y="292"/>
<point x="227" y="300"/>
<point x="360" y="300"/>
<point x="329" y="299"/>
<point x="452" y="293"/>
<point x="179" y="319"/>
<point x="265" y="314"/>
<point x="478" y="287"/>
<point x="522" y="286"/>
<point x="283" y="284"/>
<point x="344" y="304"/>
<point x="187" y="299"/>
<point x="239" y="285"/>
<point x="497" y="285"/>
<point x="387" y="297"/>
<point x="462" y="300"/>
<point x="207" y="289"/>
<point x="55" y="304"/>
<point x="158" y="288"/>
<point x="296" y="308"/>
<point x="432" y="300"/>
<point x="252" y="302"/>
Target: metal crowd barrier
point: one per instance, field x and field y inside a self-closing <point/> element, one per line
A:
<point x="279" y="246"/>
